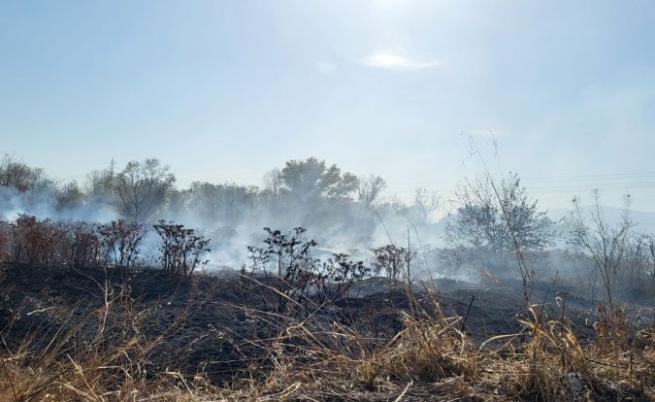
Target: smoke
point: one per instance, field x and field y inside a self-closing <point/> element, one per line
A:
<point x="43" y="205"/>
<point x="232" y="216"/>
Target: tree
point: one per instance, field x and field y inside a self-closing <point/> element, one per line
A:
<point x="273" y="183"/>
<point x="101" y="184"/>
<point x="69" y="196"/>
<point x="22" y="177"/>
<point x="426" y="202"/>
<point x="222" y="202"/>
<point x="605" y="244"/>
<point x="495" y="222"/>
<point x="369" y="189"/>
<point x="649" y="240"/>
<point x="312" y="179"/>
<point x="142" y="189"/>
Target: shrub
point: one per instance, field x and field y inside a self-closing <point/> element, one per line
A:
<point x="119" y="242"/>
<point x="338" y="275"/>
<point x="35" y="242"/>
<point x="84" y="248"/>
<point x="393" y="260"/>
<point x="290" y="255"/>
<point x="182" y="250"/>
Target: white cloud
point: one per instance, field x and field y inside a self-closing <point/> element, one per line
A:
<point x="398" y="62"/>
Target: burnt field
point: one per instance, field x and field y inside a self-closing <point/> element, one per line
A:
<point x="136" y="334"/>
<point x="115" y="294"/>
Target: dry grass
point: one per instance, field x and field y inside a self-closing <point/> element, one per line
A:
<point x="312" y="359"/>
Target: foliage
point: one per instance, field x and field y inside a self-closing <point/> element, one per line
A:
<point x="22" y="177"/>
<point x="311" y="179"/>
<point x="492" y="223"/>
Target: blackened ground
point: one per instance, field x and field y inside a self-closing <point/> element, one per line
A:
<point x="209" y="323"/>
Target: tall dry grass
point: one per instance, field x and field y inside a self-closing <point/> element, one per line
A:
<point x="315" y="354"/>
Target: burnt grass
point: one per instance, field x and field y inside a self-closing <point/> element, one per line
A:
<point x="208" y="323"/>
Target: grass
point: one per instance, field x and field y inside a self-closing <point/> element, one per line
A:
<point x="316" y="353"/>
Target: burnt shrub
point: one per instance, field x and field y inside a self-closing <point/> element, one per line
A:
<point x="83" y="245"/>
<point x="35" y="242"/>
<point x="182" y="249"/>
<point x="119" y="243"/>
<point x="299" y="275"/>
<point x="288" y="255"/>
<point x="337" y="276"/>
<point x="393" y="260"/>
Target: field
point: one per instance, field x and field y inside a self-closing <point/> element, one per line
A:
<point x="105" y="335"/>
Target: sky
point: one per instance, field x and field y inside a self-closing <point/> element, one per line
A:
<point x="419" y="92"/>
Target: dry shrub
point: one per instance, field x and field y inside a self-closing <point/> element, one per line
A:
<point x="35" y="241"/>
<point x="120" y="242"/>
<point x="182" y="249"/>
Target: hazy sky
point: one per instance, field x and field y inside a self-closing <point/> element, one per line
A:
<point x="226" y="90"/>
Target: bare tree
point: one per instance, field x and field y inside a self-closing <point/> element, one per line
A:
<point x="69" y="196"/>
<point x="650" y="244"/>
<point x="425" y="203"/>
<point x="142" y="188"/>
<point x="273" y="183"/>
<point x="100" y="184"/>
<point x="369" y="189"/>
<point x="605" y="244"/>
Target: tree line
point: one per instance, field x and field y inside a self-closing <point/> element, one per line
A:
<point x="496" y="229"/>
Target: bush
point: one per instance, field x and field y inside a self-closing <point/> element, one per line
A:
<point x="393" y="260"/>
<point x="182" y="250"/>
<point x="338" y="275"/>
<point x="35" y="242"/>
<point x="84" y="246"/>
<point x="299" y="274"/>
<point x="119" y="242"/>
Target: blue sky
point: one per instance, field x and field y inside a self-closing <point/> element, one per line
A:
<point x="226" y="90"/>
